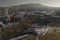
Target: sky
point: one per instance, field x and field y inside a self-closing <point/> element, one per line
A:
<point x="53" y="3"/>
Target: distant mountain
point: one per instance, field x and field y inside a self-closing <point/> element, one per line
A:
<point x="32" y="7"/>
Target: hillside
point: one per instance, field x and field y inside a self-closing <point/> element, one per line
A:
<point x="34" y="7"/>
<point x="51" y="36"/>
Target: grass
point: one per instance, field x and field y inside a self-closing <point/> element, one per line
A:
<point x="51" y="36"/>
<point x="31" y="37"/>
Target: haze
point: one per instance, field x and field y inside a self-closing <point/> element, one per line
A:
<point x="53" y="3"/>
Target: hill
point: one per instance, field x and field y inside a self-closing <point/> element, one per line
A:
<point x="34" y="7"/>
<point x="51" y="36"/>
